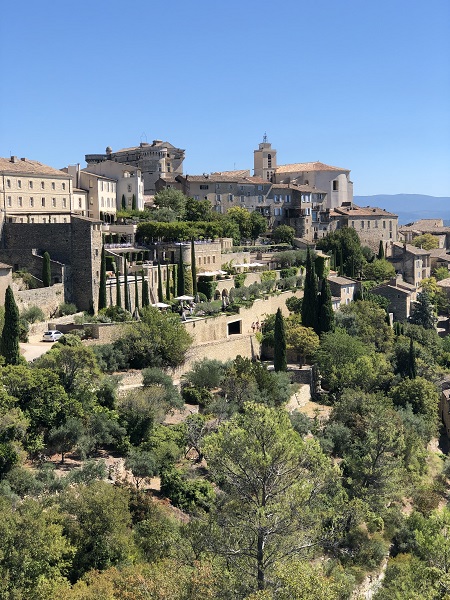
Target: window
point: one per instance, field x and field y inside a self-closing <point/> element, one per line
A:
<point x="64" y="220"/>
<point x="196" y="197"/>
<point x="53" y="185"/>
<point x="20" y="201"/>
<point x="43" y="201"/>
<point x="362" y="224"/>
<point x="54" y="202"/>
<point x="260" y="199"/>
<point x="19" y="183"/>
<point x="31" y="201"/>
<point x="79" y="203"/>
<point x="376" y="224"/>
<point x="242" y="198"/>
<point x="277" y="212"/>
<point x="390" y="225"/>
<point x="30" y="185"/>
<point x="54" y="220"/>
<point x="230" y="197"/>
<point x="269" y="161"/>
<point x="9" y="201"/>
<point x="288" y="198"/>
<point x="204" y="187"/>
<point x="63" y="186"/>
<point x="32" y="220"/>
<point x="353" y="224"/>
<point x="101" y="186"/>
<point x="107" y="186"/>
<point x="42" y="185"/>
<point x="335" y="185"/>
<point x="44" y="220"/>
<point x="102" y="202"/>
<point x="218" y="198"/>
<point x="242" y="188"/>
<point x="8" y="183"/>
<point x="129" y="188"/>
<point x="384" y="224"/>
<point x="259" y="188"/>
<point x="64" y="203"/>
<point x="248" y="193"/>
<point x="275" y="198"/>
<point x="368" y="224"/>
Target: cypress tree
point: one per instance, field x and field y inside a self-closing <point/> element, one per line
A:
<point x="381" y="254"/>
<point x="160" y="287"/>
<point x="46" y="270"/>
<point x="124" y="202"/>
<point x="279" y="350"/>
<point x="145" y="294"/>
<point x="175" y="279"/>
<point x="102" y="291"/>
<point x="11" y="330"/>
<point x="167" y="282"/>
<point x="181" y="281"/>
<point x="341" y="262"/>
<point x="136" y="291"/>
<point x="118" y="294"/>
<point x="193" y="268"/>
<point x="412" y="360"/>
<point x="310" y="302"/>
<point x="133" y="203"/>
<point x="126" y="304"/>
<point x="326" y="314"/>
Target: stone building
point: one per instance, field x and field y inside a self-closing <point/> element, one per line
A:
<point x="129" y="182"/>
<point x="414" y="263"/>
<point x="435" y="227"/>
<point x="154" y="160"/>
<point x="401" y="296"/>
<point x="31" y="192"/>
<point x="101" y="193"/>
<point x="334" y="182"/>
<point x="372" y="224"/>
<point x="75" y="250"/>
<point x="343" y="288"/>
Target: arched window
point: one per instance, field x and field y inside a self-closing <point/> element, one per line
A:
<point x="269" y="161"/>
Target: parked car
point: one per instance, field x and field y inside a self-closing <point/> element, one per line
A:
<point x="52" y="336"/>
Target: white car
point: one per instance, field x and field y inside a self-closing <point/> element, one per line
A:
<point x="52" y="336"/>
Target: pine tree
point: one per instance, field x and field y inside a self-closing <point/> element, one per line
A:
<point x="46" y="270"/>
<point x="160" y="287"/>
<point x="125" y="285"/>
<point x="310" y="301"/>
<point x="133" y="203"/>
<point x="118" y="294"/>
<point x="193" y="269"/>
<point x="102" y="291"/>
<point x="167" y="283"/>
<point x="279" y="356"/>
<point x="11" y="330"/>
<point x="145" y="293"/>
<point x="136" y="291"/>
<point x="124" y="202"/>
<point x="326" y="314"/>
<point x="381" y="254"/>
<point x="181" y="280"/>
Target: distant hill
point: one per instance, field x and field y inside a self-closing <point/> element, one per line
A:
<point x="409" y="207"/>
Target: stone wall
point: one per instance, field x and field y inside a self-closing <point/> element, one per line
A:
<point x="77" y="245"/>
<point x="48" y="298"/>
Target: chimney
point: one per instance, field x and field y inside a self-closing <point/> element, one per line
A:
<point x="14" y="159"/>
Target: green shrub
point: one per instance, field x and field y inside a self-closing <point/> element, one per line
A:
<point x="186" y="494"/>
<point x="239" y="280"/>
<point x="33" y="314"/>
<point x="67" y="308"/>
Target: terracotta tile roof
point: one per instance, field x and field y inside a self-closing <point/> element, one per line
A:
<point x="341" y="280"/>
<point x="411" y="249"/>
<point x="239" y="173"/>
<point x="361" y="211"/>
<point x="308" y="166"/>
<point x="28" y="167"/>
<point x="400" y="290"/>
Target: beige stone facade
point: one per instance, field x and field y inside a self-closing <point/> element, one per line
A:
<point x="154" y="160"/>
<point x="372" y="224"/>
<point x="31" y="192"/>
<point x="401" y="296"/>
<point x="414" y="263"/>
<point x="343" y="288"/>
<point x="101" y="193"/>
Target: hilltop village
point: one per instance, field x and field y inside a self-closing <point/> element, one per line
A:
<point x="246" y="395"/>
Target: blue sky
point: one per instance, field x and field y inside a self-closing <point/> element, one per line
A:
<point x="360" y="85"/>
